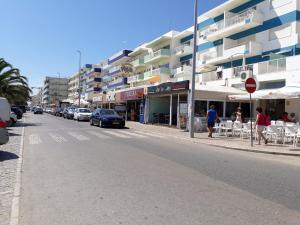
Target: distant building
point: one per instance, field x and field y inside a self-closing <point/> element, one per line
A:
<point x="55" y="90"/>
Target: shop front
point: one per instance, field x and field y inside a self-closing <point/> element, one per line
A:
<point x="166" y="104"/>
<point x="135" y="102"/>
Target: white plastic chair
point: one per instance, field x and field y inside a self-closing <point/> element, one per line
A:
<point x="289" y="134"/>
<point x="297" y="137"/>
<point x="274" y="132"/>
<point x="227" y="127"/>
<point x="280" y="123"/>
<point x="237" y="128"/>
<point x="246" y="130"/>
<point x="273" y="122"/>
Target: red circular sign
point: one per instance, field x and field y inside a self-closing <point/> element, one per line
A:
<point x="250" y="85"/>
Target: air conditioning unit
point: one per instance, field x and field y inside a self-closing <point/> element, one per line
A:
<point x="245" y="75"/>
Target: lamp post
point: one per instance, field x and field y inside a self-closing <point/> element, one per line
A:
<point x="192" y="98"/>
<point x="79" y="74"/>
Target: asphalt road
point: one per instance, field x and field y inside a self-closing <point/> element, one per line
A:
<point x="75" y="174"/>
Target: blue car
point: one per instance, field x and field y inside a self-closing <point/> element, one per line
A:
<point x="107" y="118"/>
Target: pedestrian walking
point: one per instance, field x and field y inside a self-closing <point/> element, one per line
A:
<point x="260" y="125"/>
<point x="211" y="118"/>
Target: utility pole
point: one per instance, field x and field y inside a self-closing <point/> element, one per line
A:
<point x="192" y="98"/>
<point x="79" y="74"/>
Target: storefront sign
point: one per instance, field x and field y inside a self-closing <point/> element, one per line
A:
<point x="169" y="87"/>
<point x="110" y="97"/>
<point x="98" y="98"/>
<point x="132" y="94"/>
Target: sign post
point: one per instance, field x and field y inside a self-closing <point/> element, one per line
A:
<point x="250" y="86"/>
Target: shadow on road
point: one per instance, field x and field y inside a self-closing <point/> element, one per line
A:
<point x="21" y="124"/>
<point x="13" y="134"/>
<point x="7" y="156"/>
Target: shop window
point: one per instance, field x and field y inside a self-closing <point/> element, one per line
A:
<point x="200" y="108"/>
<point x="231" y="108"/>
<point x="218" y="107"/>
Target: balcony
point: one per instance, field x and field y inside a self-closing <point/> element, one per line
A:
<point x="232" y="25"/>
<point x="183" y="50"/>
<point x="93" y="89"/>
<point x="206" y="77"/>
<point x="117" y="83"/>
<point x="135" y="78"/>
<point x="138" y="63"/>
<point x="273" y="66"/>
<point x="94" y="80"/>
<point x="158" y="72"/>
<point x="157" y="56"/>
<point x="183" y="70"/>
<point x="238" y="52"/>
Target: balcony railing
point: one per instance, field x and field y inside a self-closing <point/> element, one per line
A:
<point x="138" y="62"/>
<point x="248" y="15"/>
<point x="183" y="70"/>
<point x="158" y="54"/>
<point x="183" y="49"/>
<point x="236" y="71"/>
<point x="273" y="66"/>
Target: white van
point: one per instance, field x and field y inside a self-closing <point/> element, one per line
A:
<point x="4" y="109"/>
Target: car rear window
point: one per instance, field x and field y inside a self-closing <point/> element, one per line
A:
<point x="84" y="110"/>
<point x="108" y="112"/>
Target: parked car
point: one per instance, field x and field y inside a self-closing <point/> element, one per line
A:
<point x="70" y="113"/>
<point x="5" y="109"/>
<point x="13" y="119"/>
<point x="38" y="110"/>
<point x="58" y="111"/>
<point x="4" y="137"/>
<point x="82" y="114"/>
<point x="17" y="111"/>
<point x="64" y="113"/>
<point x="33" y="108"/>
<point x="107" y="118"/>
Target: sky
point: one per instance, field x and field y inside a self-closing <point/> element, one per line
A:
<point x="40" y="37"/>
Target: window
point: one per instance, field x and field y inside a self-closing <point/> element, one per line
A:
<point x="218" y="107"/>
<point x="200" y="108"/>
<point x="280" y="32"/>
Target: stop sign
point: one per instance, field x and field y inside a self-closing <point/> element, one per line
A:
<point x="250" y="85"/>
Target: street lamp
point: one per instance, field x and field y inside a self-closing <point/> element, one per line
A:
<point x="192" y="98"/>
<point x="79" y="74"/>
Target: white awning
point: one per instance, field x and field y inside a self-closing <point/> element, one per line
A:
<point x="261" y="94"/>
<point x="82" y="102"/>
<point x="287" y="92"/>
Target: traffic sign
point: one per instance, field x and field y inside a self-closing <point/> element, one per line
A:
<point x="250" y="85"/>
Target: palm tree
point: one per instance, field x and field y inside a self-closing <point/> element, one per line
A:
<point x="13" y="85"/>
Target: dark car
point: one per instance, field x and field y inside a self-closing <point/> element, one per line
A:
<point x="107" y="118"/>
<point x="38" y="110"/>
<point x="70" y="113"/>
<point x="58" y="112"/>
<point x="17" y="111"/>
<point x="65" y="112"/>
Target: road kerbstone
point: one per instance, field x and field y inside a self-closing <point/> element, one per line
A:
<point x="8" y="163"/>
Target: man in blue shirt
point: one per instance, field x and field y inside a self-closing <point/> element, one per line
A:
<point x="211" y="118"/>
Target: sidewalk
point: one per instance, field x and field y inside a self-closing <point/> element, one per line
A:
<point x="233" y="143"/>
<point x="9" y="155"/>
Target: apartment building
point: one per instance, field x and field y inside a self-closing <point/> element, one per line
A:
<point x="236" y="40"/>
<point x="73" y="87"/>
<point x="54" y="90"/>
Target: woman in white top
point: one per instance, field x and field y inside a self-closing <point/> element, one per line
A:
<point x="238" y="115"/>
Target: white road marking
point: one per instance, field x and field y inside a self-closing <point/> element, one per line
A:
<point x="57" y="138"/>
<point x="78" y="136"/>
<point x="131" y="133"/>
<point x="149" y="134"/>
<point x="34" y="139"/>
<point x="117" y="134"/>
<point x="98" y="134"/>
